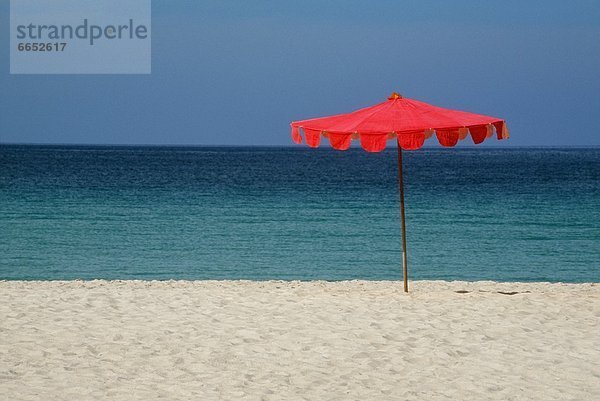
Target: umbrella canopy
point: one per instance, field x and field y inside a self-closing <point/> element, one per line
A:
<point x="410" y="122"/>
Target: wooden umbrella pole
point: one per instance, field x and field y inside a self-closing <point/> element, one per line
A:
<point x="401" y="185"/>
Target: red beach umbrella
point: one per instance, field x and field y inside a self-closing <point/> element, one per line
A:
<point x="409" y="122"/>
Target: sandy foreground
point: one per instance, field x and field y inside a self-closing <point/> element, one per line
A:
<point x="274" y="340"/>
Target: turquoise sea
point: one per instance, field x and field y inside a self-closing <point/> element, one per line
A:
<point x="84" y="212"/>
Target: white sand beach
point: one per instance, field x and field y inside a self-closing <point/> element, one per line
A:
<point x="242" y="340"/>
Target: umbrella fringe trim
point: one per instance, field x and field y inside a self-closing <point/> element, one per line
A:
<point x="377" y="141"/>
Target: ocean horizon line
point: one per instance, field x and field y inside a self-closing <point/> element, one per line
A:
<point x="290" y="146"/>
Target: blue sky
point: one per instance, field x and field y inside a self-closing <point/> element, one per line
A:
<point x="237" y="72"/>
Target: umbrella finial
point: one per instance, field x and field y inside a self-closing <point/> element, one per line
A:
<point x="395" y="95"/>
